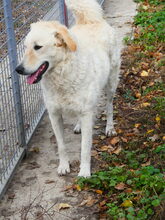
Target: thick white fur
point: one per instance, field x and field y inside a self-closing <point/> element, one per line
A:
<point x="75" y="79"/>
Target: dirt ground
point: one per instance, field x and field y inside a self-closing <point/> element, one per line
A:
<point x="36" y="190"/>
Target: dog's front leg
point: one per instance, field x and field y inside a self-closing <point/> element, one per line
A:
<point x="57" y="124"/>
<point x="86" y="143"/>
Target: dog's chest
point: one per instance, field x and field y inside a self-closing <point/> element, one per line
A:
<point x="64" y="94"/>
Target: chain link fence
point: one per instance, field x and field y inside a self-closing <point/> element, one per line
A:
<point x="21" y="105"/>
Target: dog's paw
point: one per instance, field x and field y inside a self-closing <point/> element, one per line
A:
<point x="77" y="129"/>
<point x="110" y="131"/>
<point x="63" y="168"/>
<point x="84" y="172"/>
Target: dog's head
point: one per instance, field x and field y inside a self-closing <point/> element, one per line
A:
<point x="45" y="46"/>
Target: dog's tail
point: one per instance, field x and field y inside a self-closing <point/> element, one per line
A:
<point x="85" y="11"/>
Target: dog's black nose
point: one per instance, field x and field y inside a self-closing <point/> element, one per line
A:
<point x="20" y="69"/>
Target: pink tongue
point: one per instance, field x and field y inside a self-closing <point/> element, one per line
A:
<point x="32" y="78"/>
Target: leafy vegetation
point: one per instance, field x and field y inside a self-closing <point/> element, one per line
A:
<point x="136" y="192"/>
<point x="130" y="183"/>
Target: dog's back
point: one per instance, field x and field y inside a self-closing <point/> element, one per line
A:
<point x="90" y="27"/>
<point x="86" y="11"/>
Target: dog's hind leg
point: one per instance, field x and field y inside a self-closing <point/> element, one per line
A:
<point x="86" y="143"/>
<point x="57" y="124"/>
<point x="110" y="90"/>
<point x="110" y="130"/>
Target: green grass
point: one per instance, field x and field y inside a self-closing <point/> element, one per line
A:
<point x="150" y="23"/>
<point x="145" y="183"/>
<point x="147" y="191"/>
<point x="159" y="106"/>
<point x="152" y="27"/>
<point x="152" y="2"/>
<point x="155" y="87"/>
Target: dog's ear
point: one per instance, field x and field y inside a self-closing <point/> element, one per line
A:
<point x="64" y="37"/>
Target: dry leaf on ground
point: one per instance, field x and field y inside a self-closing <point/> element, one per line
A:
<point x="146" y="164"/>
<point x="144" y="73"/>
<point x="98" y="191"/>
<point x="88" y="202"/>
<point x="120" y="186"/>
<point x="64" y="206"/>
<point x="49" y="181"/>
<point x="117" y="150"/>
<point x="106" y="148"/>
<point x="127" y="203"/>
<point x="145" y="104"/>
<point x="114" y="140"/>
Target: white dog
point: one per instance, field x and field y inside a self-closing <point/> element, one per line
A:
<point x="74" y="65"/>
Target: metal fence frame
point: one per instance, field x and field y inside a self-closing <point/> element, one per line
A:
<point x="14" y="54"/>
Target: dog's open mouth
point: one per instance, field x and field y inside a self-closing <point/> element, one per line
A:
<point x="37" y="76"/>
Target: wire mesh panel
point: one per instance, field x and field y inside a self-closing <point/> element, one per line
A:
<point x="19" y="102"/>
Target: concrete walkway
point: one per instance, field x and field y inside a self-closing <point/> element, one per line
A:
<point x="36" y="187"/>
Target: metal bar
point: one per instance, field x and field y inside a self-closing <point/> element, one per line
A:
<point x="63" y="12"/>
<point x="12" y="50"/>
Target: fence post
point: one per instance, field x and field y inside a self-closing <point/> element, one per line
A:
<point x="12" y="51"/>
<point x="63" y="13"/>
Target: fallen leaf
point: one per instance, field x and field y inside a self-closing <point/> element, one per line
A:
<point x="154" y="138"/>
<point x="68" y="187"/>
<point x="137" y="125"/>
<point x="106" y="148"/>
<point x="120" y="186"/>
<point x="78" y="187"/>
<point x="145" y="7"/>
<point x="98" y="191"/>
<point x="64" y="206"/>
<point x="103" y="216"/>
<point x="49" y="181"/>
<point x="88" y="202"/>
<point x="117" y="150"/>
<point x="103" y="118"/>
<point x="95" y="141"/>
<point x="94" y="153"/>
<point x="144" y="73"/>
<point x="130" y="134"/>
<point x="138" y="95"/>
<point x="145" y="104"/>
<point x="127" y="203"/>
<point x="150" y="131"/>
<point x="119" y="131"/>
<point x="102" y="203"/>
<point x="136" y="131"/>
<point x="163" y="138"/>
<point x="124" y="139"/>
<point x="96" y="127"/>
<point x="157" y="118"/>
<point x="146" y="164"/>
<point x="102" y="137"/>
<point x="136" y="198"/>
<point x="128" y="190"/>
<point x="114" y="140"/>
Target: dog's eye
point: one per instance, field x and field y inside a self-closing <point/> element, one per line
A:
<point x="37" y="47"/>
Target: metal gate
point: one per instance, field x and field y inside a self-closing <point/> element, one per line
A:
<point x="21" y="105"/>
